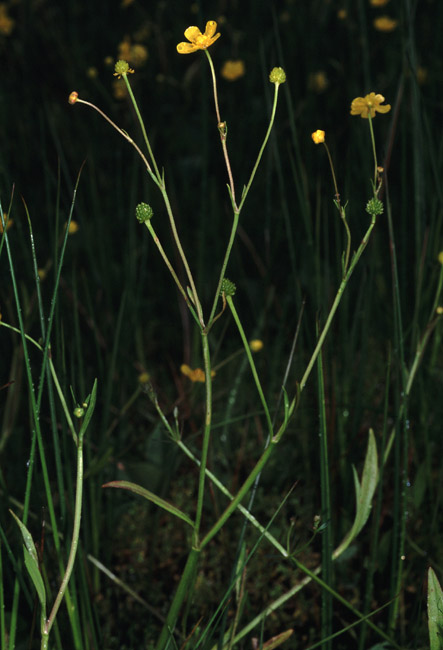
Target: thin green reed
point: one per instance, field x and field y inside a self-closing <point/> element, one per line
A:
<point x="223" y="298"/>
<point x="47" y="373"/>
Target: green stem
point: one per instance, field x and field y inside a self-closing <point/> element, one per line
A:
<point x="222" y="129"/>
<point x="75" y="538"/>
<point x="334" y="307"/>
<point x="374" y="152"/>
<point x="149" y="226"/>
<point x="251" y="362"/>
<point x="237" y="209"/>
<point x="206" y="439"/>
<point x="142" y="125"/>
<point x="180" y="595"/>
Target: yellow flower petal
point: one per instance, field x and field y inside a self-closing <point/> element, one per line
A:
<point x="186" y="48"/>
<point x="192" y="33"/>
<point x="211" y="26"/>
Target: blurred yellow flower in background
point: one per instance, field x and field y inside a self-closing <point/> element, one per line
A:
<point x="6" y="22"/>
<point x="378" y="3"/>
<point x="73" y="227"/>
<point x="369" y="105"/>
<point x="256" y="345"/>
<point x="232" y="70"/>
<point x="385" y="24"/>
<point x="440" y="257"/>
<point x="119" y="89"/>
<point x="318" y="81"/>
<point x="197" y="375"/>
<point x="7" y="221"/>
<point x="134" y="53"/>
<point x="198" y="41"/>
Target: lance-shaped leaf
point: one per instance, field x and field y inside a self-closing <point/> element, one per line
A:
<point x="150" y="496"/>
<point x="31" y="562"/>
<point x="435" y="611"/>
<point x="364" y="493"/>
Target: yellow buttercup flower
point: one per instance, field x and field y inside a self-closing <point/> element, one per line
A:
<point x="197" y="375"/>
<point x="256" y="345"/>
<point x="440" y="257"/>
<point x="385" y="24"/>
<point x="73" y="227"/>
<point x="318" y="136"/>
<point x="369" y="105"/>
<point x="198" y="41"/>
<point x="233" y="70"/>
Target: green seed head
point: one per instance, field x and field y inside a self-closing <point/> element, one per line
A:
<point x="374" y="207"/>
<point x="121" y="67"/>
<point x="277" y="76"/>
<point x="227" y="287"/>
<point x="143" y="212"/>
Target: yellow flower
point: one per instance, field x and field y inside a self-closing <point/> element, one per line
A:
<point x="378" y="3"/>
<point x="440" y="257"/>
<point x="197" y="375"/>
<point x="42" y="274"/>
<point x="198" y="41"/>
<point x="439" y="310"/>
<point x="7" y="221"/>
<point x="119" y="89"/>
<point x="6" y="23"/>
<point x="256" y="345"/>
<point x="385" y="24"/>
<point x="318" y="81"/>
<point x="369" y="105"/>
<point x="144" y="377"/>
<point x="318" y="136"/>
<point x="233" y="70"/>
<point x="342" y="14"/>
<point x="73" y="227"/>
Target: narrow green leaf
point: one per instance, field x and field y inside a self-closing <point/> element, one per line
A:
<point x="146" y="494"/>
<point x="435" y="611"/>
<point x="364" y="493"/>
<point x="89" y="411"/>
<point x="31" y="562"/>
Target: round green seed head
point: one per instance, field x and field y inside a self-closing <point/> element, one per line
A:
<point x="143" y="212"/>
<point x="277" y="76"/>
<point x="227" y="287"/>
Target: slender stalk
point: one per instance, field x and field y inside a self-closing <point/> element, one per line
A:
<point x="142" y="125"/>
<point x="251" y="362"/>
<point x="222" y="128"/>
<point x="206" y="438"/>
<point x="237" y="209"/>
<point x="74" y="542"/>
<point x="334" y="307"/>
